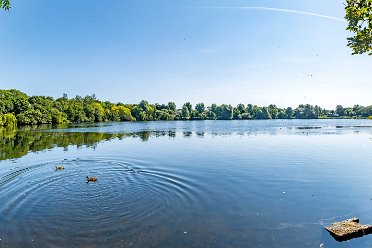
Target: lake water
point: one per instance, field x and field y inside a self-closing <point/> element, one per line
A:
<point x="274" y="183"/>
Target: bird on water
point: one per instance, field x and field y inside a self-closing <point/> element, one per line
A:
<point x="91" y="179"/>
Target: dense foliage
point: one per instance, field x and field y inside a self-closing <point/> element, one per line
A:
<point x="359" y="17"/>
<point x="5" y="4"/>
<point x="17" y="108"/>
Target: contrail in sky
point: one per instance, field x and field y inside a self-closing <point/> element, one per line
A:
<point x="277" y="10"/>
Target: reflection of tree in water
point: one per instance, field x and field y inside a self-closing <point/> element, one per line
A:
<point x="172" y="134"/>
<point x="144" y="136"/>
<point x="15" y="144"/>
<point x="187" y="134"/>
<point x="200" y="134"/>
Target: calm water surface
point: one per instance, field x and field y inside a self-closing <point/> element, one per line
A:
<point x="185" y="184"/>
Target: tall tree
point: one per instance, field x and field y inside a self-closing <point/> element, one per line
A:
<point x="340" y="110"/>
<point x="172" y="106"/>
<point x="289" y="112"/>
<point x="200" y="108"/>
<point x="189" y="106"/>
<point x="185" y="112"/>
<point x="224" y="112"/>
<point x="273" y="110"/>
<point x="359" y="16"/>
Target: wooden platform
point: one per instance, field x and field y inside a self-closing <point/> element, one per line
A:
<point x="348" y="229"/>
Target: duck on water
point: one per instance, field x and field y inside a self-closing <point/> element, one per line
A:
<point x="91" y="179"/>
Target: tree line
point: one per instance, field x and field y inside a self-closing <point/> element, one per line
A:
<point x="17" y="108"/>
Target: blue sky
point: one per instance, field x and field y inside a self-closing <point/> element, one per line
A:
<point x="211" y="51"/>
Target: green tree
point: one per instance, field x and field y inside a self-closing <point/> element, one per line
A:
<point x="340" y="110"/>
<point x="58" y="117"/>
<point x="185" y="112"/>
<point x="224" y="112"/>
<point x="241" y="108"/>
<point x="318" y="111"/>
<point x="262" y="113"/>
<point x="282" y="114"/>
<point x="359" y="17"/>
<point x="75" y="110"/>
<point x="349" y="112"/>
<point x="165" y="115"/>
<point x="42" y="107"/>
<point x="200" y="108"/>
<point x="273" y="110"/>
<point x="143" y="111"/>
<point x="367" y="111"/>
<point x="250" y="109"/>
<point x="289" y="112"/>
<point x="8" y="120"/>
<point x="245" y="116"/>
<point x="239" y="111"/>
<point x="13" y="101"/>
<point x="357" y="109"/>
<point x="211" y="112"/>
<point x="306" y="111"/>
<point x="30" y="117"/>
<point x="45" y="110"/>
<point x="121" y="113"/>
<point x="172" y="106"/>
<point x="236" y="114"/>
<point x="189" y="108"/>
<point x="99" y="112"/>
<point x="5" y="4"/>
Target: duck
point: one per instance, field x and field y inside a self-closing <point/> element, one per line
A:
<point x="91" y="179"/>
<point x="60" y="167"/>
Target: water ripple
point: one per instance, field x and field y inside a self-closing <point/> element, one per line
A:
<point x="126" y="193"/>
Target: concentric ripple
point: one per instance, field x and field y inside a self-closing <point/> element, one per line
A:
<point x="41" y="203"/>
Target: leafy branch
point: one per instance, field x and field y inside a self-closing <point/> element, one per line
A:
<point x="359" y="16"/>
<point x="5" y="4"/>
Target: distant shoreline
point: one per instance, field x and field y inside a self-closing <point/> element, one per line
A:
<point x="19" y="109"/>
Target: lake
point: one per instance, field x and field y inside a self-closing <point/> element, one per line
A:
<point x="269" y="183"/>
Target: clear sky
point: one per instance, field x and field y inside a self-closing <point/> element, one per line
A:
<point x="211" y="51"/>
